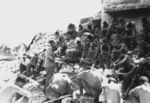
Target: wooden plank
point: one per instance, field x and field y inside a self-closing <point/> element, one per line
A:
<point x="50" y="101"/>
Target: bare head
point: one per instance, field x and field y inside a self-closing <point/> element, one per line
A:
<point x="143" y="79"/>
<point x="52" y="42"/>
<point x="21" y="80"/>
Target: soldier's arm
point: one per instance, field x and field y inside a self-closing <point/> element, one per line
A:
<point x="21" y="91"/>
<point x="122" y="60"/>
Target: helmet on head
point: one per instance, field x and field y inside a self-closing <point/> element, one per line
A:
<point x="143" y="79"/>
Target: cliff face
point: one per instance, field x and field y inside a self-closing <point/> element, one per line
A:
<point x="20" y="48"/>
<point x="116" y="5"/>
<point x="5" y="53"/>
<point x="38" y="43"/>
<point x="123" y="1"/>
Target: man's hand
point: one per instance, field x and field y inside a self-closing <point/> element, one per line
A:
<point x="115" y="64"/>
<point x="81" y="59"/>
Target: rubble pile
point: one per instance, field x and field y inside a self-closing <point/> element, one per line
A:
<point x="38" y="43"/>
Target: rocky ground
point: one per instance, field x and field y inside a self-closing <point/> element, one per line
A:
<point x="8" y="73"/>
<point x="9" y="64"/>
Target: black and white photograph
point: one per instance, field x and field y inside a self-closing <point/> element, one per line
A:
<point x="74" y="51"/>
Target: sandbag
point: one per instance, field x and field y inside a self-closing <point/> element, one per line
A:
<point x="60" y="82"/>
<point x="23" y="100"/>
<point x="58" y="85"/>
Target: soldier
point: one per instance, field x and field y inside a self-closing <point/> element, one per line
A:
<point x="23" y="64"/>
<point x="7" y="93"/>
<point x="31" y="66"/>
<point x="142" y="92"/>
<point x="90" y="81"/>
<point x="49" y="62"/>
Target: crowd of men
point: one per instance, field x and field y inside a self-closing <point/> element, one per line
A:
<point x="118" y="46"/>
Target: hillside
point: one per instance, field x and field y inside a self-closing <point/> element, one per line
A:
<point x="39" y="43"/>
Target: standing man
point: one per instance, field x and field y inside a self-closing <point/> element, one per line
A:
<point x="142" y="92"/>
<point x="49" y="62"/>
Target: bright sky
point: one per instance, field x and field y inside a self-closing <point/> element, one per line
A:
<point x="20" y="20"/>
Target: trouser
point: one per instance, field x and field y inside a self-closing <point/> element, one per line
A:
<point x="39" y="67"/>
<point x="49" y="74"/>
<point x="22" y="68"/>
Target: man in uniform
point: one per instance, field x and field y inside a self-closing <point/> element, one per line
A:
<point x="49" y="61"/>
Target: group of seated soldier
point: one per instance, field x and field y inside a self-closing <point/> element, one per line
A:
<point x="100" y="47"/>
<point x="109" y="47"/>
<point x="97" y="44"/>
